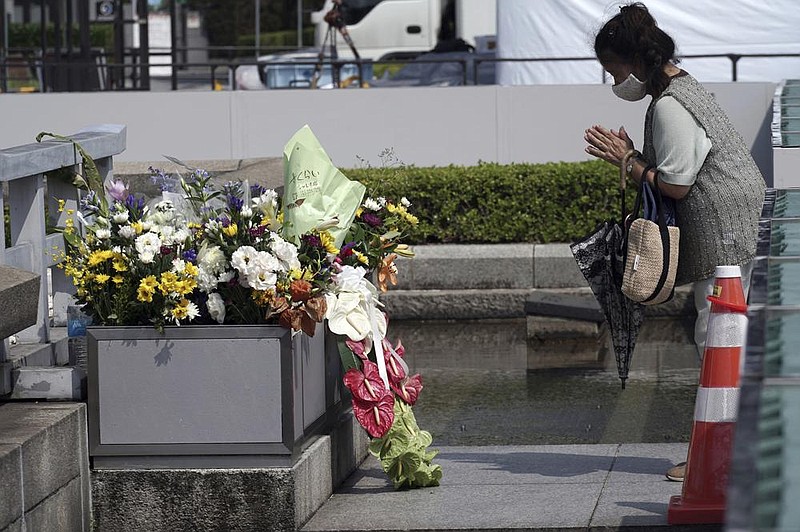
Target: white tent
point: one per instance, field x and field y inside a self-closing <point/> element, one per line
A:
<point x="566" y="29"/>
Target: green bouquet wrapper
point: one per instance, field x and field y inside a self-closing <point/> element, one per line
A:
<point x="315" y="191"/>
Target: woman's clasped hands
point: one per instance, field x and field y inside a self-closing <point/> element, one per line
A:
<point x="608" y="144"/>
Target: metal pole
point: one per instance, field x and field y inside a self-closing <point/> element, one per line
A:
<point x="144" y="46"/>
<point x="258" y="27"/>
<point x="173" y="41"/>
<point x="299" y="23"/>
<point x="5" y="21"/>
<point x="43" y="43"/>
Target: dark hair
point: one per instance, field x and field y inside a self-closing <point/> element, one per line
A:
<point x="632" y="36"/>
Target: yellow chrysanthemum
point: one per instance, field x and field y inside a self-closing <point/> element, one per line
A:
<point x="361" y="257"/>
<point x="230" y="230"/>
<point x="168" y="283"/>
<point x="138" y="227"/>
<point x="359" y="212"/>
<point x="262" y="297"/>
<point x="181" y="310"/>
<point x="392" y="208"/>
<point x="101" y="278"/>
<point x="191" y="270"/>
<point x="149" y="282"/>
<point x="144" y="294"/>
<point x="410" y="218"/>
<point x="118" y="279"/>
<point x="119" y="265"/>
<point x="61" y="204"/>
<point x="327" y="242"/>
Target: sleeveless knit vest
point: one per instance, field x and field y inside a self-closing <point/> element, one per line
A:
<point x="718" y="218"/>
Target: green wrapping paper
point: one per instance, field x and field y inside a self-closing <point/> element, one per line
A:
<point x="315" y="191"/>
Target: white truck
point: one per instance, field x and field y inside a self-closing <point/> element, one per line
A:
<point x="563" y="29"/>
<point x="389" y="29"/>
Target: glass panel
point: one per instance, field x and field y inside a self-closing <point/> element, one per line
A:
<point x="781" y="339"/>
<point x="785" y="241"/>
<point x="778" y="485"/>
<point x="783" y="282"/>
<point x="787" y="204"/>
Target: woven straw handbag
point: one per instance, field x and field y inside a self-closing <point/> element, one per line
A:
<point x="651" y="253"/>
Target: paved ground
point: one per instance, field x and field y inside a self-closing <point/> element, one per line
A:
<point x="542" y="487"/>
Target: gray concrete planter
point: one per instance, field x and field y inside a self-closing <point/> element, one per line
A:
<point x="208" y="396"/>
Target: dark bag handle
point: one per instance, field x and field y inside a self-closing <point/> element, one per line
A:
<point x="662" y="226"/>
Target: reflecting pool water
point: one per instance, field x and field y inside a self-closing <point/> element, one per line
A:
<point x="487" y="383"/>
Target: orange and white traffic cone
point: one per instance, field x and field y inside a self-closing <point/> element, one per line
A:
<point x="705" y="484"/>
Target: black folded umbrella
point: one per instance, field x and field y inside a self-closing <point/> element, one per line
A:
<point x="600" y="258"/>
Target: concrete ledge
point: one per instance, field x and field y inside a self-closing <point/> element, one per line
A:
<point x="19" y="300"/>
<point x="555" y="267"/>
<point x="508" y="303"/>
<point x="466" y="266"/>
<point x="64" y="383"/>
<point x="279" y="498"/>
<point x="44" y="472"/>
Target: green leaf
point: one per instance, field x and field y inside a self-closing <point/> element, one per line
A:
<point x="349" y="359"/>
<point x="404" y="466"/>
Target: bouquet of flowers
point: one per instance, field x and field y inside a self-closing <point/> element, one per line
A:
<point x="207" y="254"/>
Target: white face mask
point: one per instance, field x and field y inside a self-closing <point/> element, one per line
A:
<point x="632" y="89"/>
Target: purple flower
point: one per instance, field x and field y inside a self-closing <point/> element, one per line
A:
<point x="190" y="255"/>
<point x="371" y="219"/>
<point x="258" y="231"/>
<point x="133" y="204"/>
<point x="235" y="203"/>
<point x="117" y="190"/>
<point x="256" y="190"/>
<point x="312" y="240"/>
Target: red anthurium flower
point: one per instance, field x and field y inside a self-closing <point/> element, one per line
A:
<point x="394" y="368"/>
<point x="366" y="385"/>
<point x="361" y="348"/>
<point x="376" y="417"/>
<point x="409" y="389"/>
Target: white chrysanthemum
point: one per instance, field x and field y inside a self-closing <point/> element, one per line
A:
<point x="192" y="310"/>
<point x="206" y="280"/>
<point x="147" y="257"/>
<point x="178" y="265"/>
<point x="103" y="234"/>
<point x="180" y="235"/>
<point x="371" y="204"/>
<point x="120" y="217"/>
<point x="117" y="249"/>
<point x="163" y="212"/>
<point x="246" y="212"/>
<point x="126" y="231"/>
<point x="212" y="259"/>
<point x="216" y="307"/>
<point x="167" y="233"/>
<point x="404" y="202"/>
<point x="226" y="276"/>
<point x="244" y="259"/>
<point x="148" y="243"/>
<point x="382" y="201"/>
<point x="285" y="251"/>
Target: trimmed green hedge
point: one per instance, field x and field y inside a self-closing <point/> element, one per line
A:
<point x="492" y="203"/>
<point x="21" y="35"/>
<point x="541" y="203"/>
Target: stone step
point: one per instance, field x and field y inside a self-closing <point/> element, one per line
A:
<point x="45" y="467"/>
<point x="48" y="383"/>
<point x="19" y="300"/>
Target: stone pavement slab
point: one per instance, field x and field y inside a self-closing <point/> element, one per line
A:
<point x="541" y="487"/>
